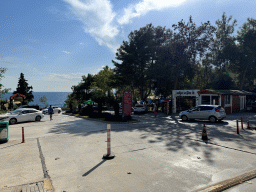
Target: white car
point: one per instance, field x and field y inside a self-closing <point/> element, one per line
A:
<point x="22" y="115"/>
<point x="207" y="112"/>
<point x="55" y="110"/>
<point x="139" y="109"/>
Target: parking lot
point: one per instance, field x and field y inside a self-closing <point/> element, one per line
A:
<point x="161" y="153"/>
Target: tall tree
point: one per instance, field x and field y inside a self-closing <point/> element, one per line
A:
<point x="224" y="48"/>
<point x="3" y="91"/>
<point x="180" y="55"/>
<point x="245" y="65"/>
<point x="101" y="87"/>
<point x="24" y="89"/>
<point x="44" y="100"/>
<point x="137" y="57"/>
<point x="82" y="92"/>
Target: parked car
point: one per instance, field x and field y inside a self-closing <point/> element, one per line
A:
<point x="207" y="112"/>
<point x="22" y="115"/>
<point x="96" y="108"/>
<point x="55" y="110"/>
<point x="29" y="106"/>
<point x="139" y="109"/>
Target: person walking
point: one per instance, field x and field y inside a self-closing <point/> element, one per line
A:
<point x="50" y="111"/>
<point x="155" y="109"/>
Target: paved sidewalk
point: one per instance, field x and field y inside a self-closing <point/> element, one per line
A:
<point x="154" y="154"/>
<point x="21" y="167"/>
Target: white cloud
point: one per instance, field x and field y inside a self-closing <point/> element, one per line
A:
<point x="97" y="17"/>
<point x="64" y="77"/>
<point x="143" y="7"/>
<point x="66" y="52"/>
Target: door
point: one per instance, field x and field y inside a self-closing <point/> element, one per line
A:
<point x="242" y="100"/>
<point x="194" y="113"/>
<point x="24" y="116"/>
<point x="206" y="111"/>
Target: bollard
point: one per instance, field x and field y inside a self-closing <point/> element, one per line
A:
<point x="108" y="155"/>
<point x="242" y="123"/>
<point x="237" y="130"/>
<point x="108" y="140"/>
<point x="204" y="133"/>
<point x="248" y="126"/>
<point x="23" y="138"/>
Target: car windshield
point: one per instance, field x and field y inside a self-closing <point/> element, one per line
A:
<point x="193" y="109"/>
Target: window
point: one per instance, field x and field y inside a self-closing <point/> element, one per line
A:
<point x="205" y="100"/>
<point x="227" y="100"/>
<point x="194" y="109"/>
<point x="205" y="108"/>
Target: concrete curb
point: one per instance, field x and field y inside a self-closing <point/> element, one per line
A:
<point x="223" y="185"/>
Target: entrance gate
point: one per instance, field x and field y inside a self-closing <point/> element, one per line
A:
<point x="183" y="93"/>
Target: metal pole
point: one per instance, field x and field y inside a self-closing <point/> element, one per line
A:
<point x="242" y="123"/>
<point x="108" y="140"/>
<point x="108" y="155"/>
<point x="23" y="138"/>
<point x="237" y="130"/>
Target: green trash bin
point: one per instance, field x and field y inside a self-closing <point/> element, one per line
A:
<point x="4" y="131"/>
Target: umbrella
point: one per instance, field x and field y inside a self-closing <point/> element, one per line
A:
<point x="88" y="102"/>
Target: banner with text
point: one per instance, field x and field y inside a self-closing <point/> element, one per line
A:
<point x="127" y="103"/>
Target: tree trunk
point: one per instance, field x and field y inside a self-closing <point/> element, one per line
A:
<point x="116" y="108"/>
<point x="100" y="107"/>
<point x="242" y="80"/>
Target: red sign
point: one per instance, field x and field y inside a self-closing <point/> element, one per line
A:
<point x="127" y="104"/>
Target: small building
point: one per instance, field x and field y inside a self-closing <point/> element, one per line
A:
<point x="191" y="95"/>
<point x="232" y="101"/>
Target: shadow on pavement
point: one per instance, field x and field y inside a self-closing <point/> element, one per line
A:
<point x="95" y="167"/>
<point x="174" y="133"/>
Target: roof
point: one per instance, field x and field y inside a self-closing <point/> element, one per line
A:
<point x="225" y="92"/>
<point x="18" y="95"/>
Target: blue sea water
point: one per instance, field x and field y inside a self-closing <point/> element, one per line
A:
<point x="54" y="98"/>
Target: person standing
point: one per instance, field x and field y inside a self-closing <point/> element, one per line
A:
<point x="155" y="109"/>
<point x="50" y="111"/>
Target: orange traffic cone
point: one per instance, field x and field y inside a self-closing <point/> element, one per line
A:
<point x="204" y="134"/>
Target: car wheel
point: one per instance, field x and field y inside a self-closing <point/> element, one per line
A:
<point x="38" y="118"/>
<point x="212" y="119"/>
<point x="184" y="118"/>
<point x="13" y="121"/>
<point x="59" y="111"/>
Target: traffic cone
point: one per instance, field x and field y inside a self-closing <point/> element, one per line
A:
<point x="204" y="134"/>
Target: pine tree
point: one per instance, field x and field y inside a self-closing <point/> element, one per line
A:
<point x="24" y="89"/>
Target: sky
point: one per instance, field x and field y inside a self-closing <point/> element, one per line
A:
<point x="55" y="42"/>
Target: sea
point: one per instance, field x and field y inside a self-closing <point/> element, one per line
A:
<point x="53" y="98"/>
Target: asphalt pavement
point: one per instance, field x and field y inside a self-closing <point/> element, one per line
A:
<point x="154" y="154"/>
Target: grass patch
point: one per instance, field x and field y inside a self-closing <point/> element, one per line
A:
<point x="3" y="112"/>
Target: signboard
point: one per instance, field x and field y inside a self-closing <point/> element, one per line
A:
<point x="185" y="92"/>
<point x="127" y="103"/>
